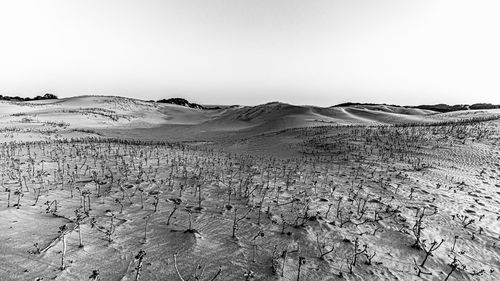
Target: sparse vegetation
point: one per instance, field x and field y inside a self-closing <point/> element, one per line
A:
<point x="359" y="201"/>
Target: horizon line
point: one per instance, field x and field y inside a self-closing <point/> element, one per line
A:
<point x="263" y="103"/>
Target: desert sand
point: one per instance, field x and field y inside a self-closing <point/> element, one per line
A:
<point x="112" y="188"/>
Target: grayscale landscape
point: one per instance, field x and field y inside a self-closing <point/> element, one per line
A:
<point x="227" y="140"/>
<point x="124" y="189"/>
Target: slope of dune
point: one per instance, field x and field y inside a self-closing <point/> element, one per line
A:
<point x="392" y="109"/>
<point x="277" y="115"/>
<point x="116" y="108"/>
<point x="119" y="115"/>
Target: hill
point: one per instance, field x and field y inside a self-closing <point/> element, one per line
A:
<point x="180" y="120"/>
<point x="436" y="107"/>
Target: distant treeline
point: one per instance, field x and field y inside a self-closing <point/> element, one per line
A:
<point x="16" y="98"/>
<point x="435" y="107"/>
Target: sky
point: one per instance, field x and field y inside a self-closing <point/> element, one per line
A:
<point x="318" y="52"/>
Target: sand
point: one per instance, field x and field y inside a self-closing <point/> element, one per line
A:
<point x="303" y="181"/>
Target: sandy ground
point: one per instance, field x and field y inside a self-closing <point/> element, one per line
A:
<point x="336" y="192"/>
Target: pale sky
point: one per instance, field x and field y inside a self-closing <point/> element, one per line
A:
<point x="320" y="52"/>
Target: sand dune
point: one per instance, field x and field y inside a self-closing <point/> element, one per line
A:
<point x="252" y="191"/>
<point x="118" y="111"/>
<point x="133" y="118"/>
<point x="119" y="115"/>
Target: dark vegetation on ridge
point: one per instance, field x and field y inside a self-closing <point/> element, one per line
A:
<point x="17" y="98"/>
<point x="184" y="102"/>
